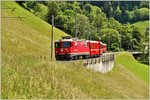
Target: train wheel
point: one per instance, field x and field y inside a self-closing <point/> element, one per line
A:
<point x="57" y="58"/>
<point x="85" y="57"/>
<point x="71" y="58"/>
<point x="75" y="57"/>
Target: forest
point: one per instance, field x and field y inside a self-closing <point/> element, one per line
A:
<point x="112" y="22"/>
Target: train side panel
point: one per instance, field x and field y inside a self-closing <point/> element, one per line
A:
<point x="73" y="49"/>
<point x="104" y="47"/>
<point x="80" y="48"/>
<point x="94" y="47"/>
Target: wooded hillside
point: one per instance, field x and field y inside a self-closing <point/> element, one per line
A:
<point x="110" y="21"/>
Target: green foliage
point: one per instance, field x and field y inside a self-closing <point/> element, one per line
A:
<point x="88" y="8"/>
<point x="113" y="24"/>
<point x="87" y="20"/>
<point x="67" y="21"/>
<point x="136" y="33"/>
<point x="141" y="14"/>
<point x="117" y="13"/>
<point x="29" y="4"/>
<point x="108" y="9"/>
<point x="41" y="11"/>
<point x="144" y="45"/>
<point x="83" y="26"/>
<point x="53" y="9"/>
<point x="144" y="4"/>
<point x="111" y="37"/>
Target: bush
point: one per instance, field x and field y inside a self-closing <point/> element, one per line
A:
<point x="117" y="49"/>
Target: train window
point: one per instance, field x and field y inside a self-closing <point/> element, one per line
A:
<point x="66" y="44"/>
<point x="57" y="44"/>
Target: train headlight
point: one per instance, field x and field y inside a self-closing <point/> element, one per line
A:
<point x="61" y="50"/>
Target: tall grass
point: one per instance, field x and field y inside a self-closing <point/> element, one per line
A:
<point x="40" y="78"/>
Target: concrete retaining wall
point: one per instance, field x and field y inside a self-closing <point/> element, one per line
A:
<point x="103" y="64"/>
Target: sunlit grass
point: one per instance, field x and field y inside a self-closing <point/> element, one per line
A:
<point x="142" y="24"/>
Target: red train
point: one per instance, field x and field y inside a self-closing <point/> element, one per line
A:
<point x="72" y="48"/>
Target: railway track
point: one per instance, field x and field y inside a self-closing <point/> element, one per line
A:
<point x="103" y="57"/>
<point x="103" y="64"/>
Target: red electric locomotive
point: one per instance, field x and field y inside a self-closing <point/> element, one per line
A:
<point x="73" y="48"/>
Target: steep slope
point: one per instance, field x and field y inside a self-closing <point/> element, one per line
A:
<point x="127" y="60"/>
<point x="26" y="33"/>
<point x="27" y="71"/>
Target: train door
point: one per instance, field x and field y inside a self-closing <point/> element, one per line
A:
<point x="90" y="48"/>
<point x="75" y="48"/>
<point x="101" y="48"/>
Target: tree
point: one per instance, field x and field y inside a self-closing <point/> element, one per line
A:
<point x="76" y="7"/>
<point x="137" y="33"/>
<point x="117" y="13"/>
<point x="63" y="5"/>
<point x="141" y="14"/>
<point x="111" y="37"/>
<point x="69" y="22"/>
<point x="41" y="11"/>
<point x="99" y="22"/>
<point x="29" y="5"/>
<point x="88" y="8"/>
<point x="127" y="39"/>
<point x="83" y="26"/>
<point x="98" y="18"/>
<point x="144" y="4"/>
<point x="113" y="24"/>
<point x="108" y="9"/>
<point x="53" y="9"/>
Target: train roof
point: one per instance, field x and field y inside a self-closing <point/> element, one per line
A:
<point x="77" y="40"/>
<point x="93" y="41"/>
<point x="71" y="39"/>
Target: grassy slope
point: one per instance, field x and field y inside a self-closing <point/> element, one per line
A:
<point x="142" y="24"/>
<point x="130" y="63"/>
<point x="27" y="71"/>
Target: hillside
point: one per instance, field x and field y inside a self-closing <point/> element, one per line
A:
<point x="27" y="71"/>
<point x="27" y="33"/>
<point x="142" y="24"/>
<point x="94" y="19"/>
<point x="127" y="60"/>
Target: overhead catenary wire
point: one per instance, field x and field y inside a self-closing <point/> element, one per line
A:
<point x="12" y="9"/>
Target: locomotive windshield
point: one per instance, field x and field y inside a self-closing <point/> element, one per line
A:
<point x="57" y="44"/>
<point x="66" y="44"/>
